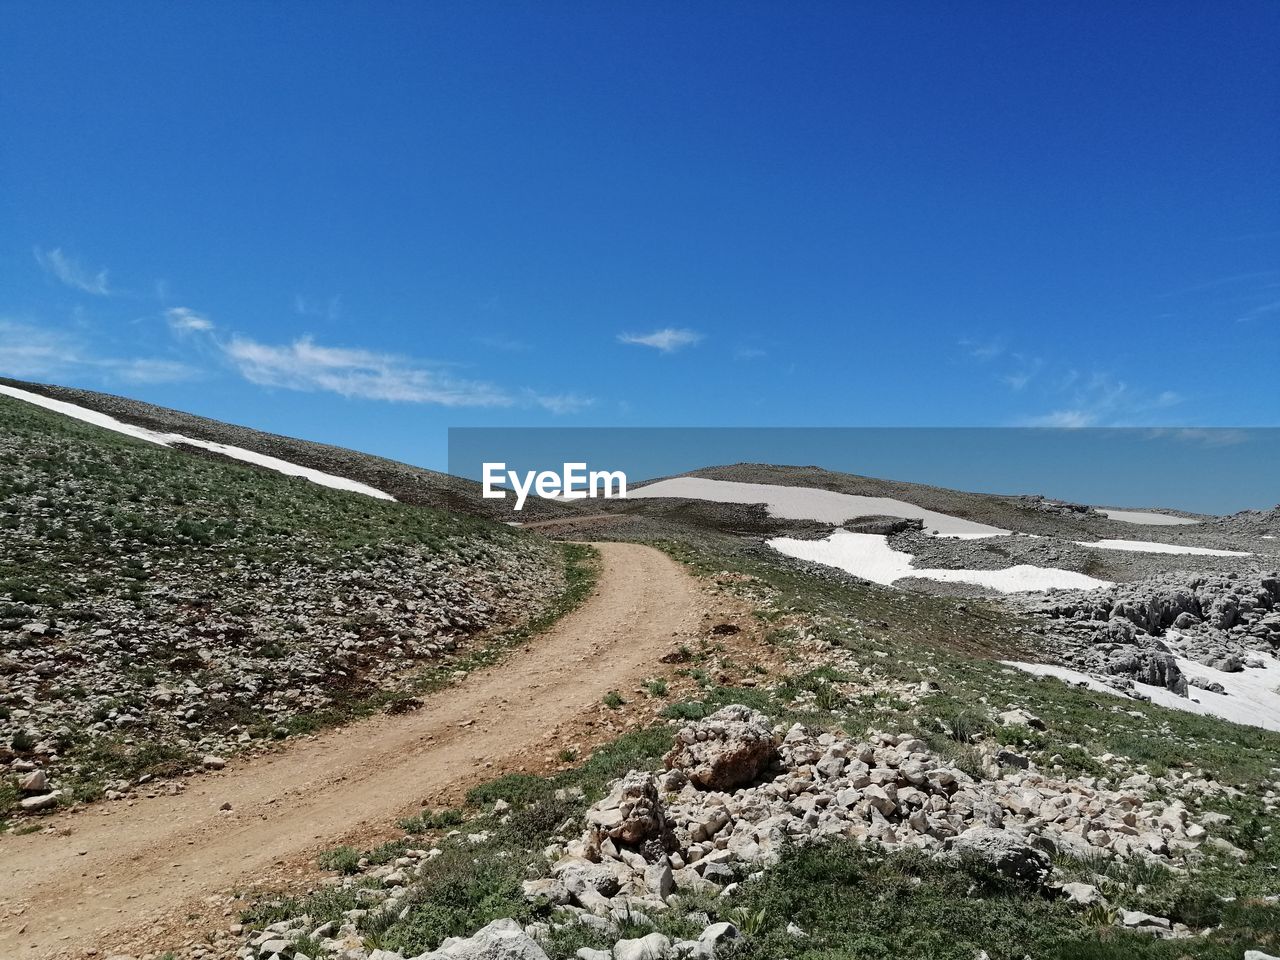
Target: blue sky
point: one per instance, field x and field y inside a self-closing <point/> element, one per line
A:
<point x="367" y="224"/>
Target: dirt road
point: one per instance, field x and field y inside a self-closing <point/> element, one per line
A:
<point x="120" y="870"/>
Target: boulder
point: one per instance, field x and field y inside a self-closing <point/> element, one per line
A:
<point x="1082" y="894"/>
<point x="1005" y="852"/>
<point x="717" y="932"/>
<point x="1021" y="718"/>
<point x="546" y="888"/>
<point x="1138" y="920"/>
<point x="46" y="802"/>
<point x="728" y="749"/>
<point x="500" y="940"/>
<point x="653" y="946"/>
<point x="577" y="874"/>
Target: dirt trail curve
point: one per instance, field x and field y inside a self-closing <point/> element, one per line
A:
<point x="123" y="869"/>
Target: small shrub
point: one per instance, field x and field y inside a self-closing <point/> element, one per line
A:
<point x="22" y="742"/>
<point x="432" y="820"/>
<point x="686" y="710"/>
<point x="827" y="698"/>
<point x="344" y="860"/>
<point x="963" y="726"/>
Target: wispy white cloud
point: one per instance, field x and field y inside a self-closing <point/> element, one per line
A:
<point x="306" y="365"/>
<point x="1074" y="419"/>
<point x="982" y="349"/>
<point x="186" y="320"/>
<point x="69" y="271"/>
<point x="749" y="353"/>
<point x="39" y="352"/>
<point x="350" y="372"/>
<point x="1259" y="311"/>
<point x="28" y="351"/>
<point x="560" y="403"/>
<point x="1025" y="371"/>
<point x="667" y="340"/>
<point x="1233" y="280"/>
<point x="1103" y="400"/>
<point x="148" y="370"/>
<point x="330" y="309"/>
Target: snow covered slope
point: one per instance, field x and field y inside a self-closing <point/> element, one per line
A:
<point x="1251" y="697"/>
<point x="1151" y="546"/>
<point x="169" y="439"/>
<point x="1147" y="518"/>
<point x="810" y="503"/>
<point x="870" y="557"/>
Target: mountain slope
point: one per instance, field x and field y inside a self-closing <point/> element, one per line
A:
<point x="407" y="484"/>
<point x="156" y="606"/>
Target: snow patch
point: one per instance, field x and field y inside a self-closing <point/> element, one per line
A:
<point x="1252" y="696"/>
<point x="169" y="439"/>
<point x="870" y="557"/>
<point x="810" y="503"/>
<point x="1147" y="546"/>
<point x="1146" y="518"/>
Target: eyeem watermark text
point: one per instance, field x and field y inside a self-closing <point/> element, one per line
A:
<point x="574" y="482"/>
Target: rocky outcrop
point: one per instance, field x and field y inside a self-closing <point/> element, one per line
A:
<point x="1135" y="632"/>
<point x="1061" y="508"/>
<point x="884" y="526"/>
<point x="1154" y="667"/>
<point x="1208" y="604"/>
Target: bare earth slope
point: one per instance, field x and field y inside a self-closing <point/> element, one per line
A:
<point x="121" y="871"/>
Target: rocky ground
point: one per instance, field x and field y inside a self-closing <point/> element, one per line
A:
<point x="733" y="796"/>
<point x="1262" y="524"/>
<point x="1220" y="611"/>
<point x="996" y="553"/>
<point x="1002" y="814"/>
<point x="160" y="611"/>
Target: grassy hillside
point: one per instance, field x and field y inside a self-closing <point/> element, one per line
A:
<point x="408" y="484"/>
<point x="156" y="606"/>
